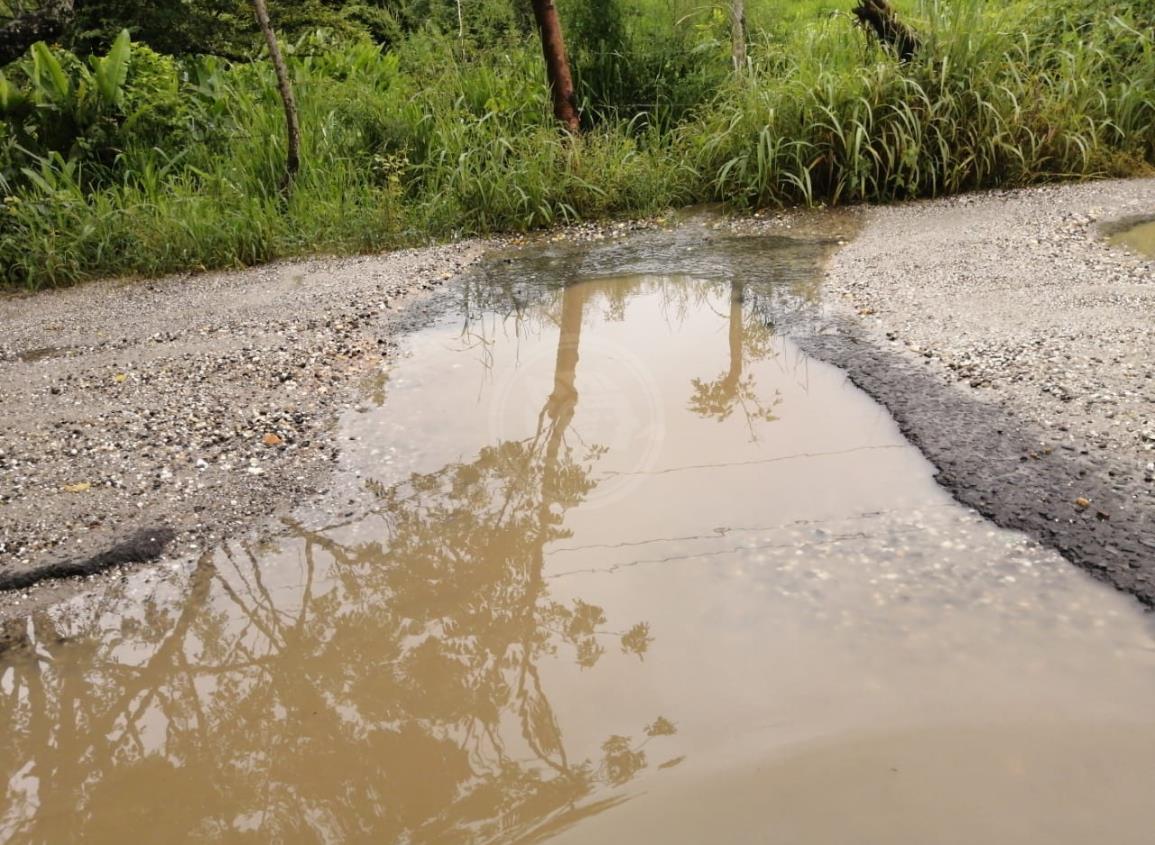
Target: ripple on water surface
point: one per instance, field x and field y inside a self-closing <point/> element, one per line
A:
<point x="614" y="563"/>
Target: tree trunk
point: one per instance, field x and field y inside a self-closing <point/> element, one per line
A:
<point x="738" y="34"/>
<point x="293" y="127"/>
<point x="556" y="64"/>
<point x="45" y="24"/>
<point x="736" y="337"/>
<point x="880" y="19"/>
<point x="562" y="402"/>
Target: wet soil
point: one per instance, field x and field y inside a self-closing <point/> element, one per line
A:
<point x="606" y="556"/>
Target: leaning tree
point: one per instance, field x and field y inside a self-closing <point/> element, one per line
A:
<point x="292" y="125"/>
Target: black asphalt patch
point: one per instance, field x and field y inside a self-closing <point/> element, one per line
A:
<point x="1096" y="510"/>
<point x="145" y="545"/>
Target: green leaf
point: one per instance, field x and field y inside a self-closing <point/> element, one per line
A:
<point x="48" y="74"/>
<point x="37" y="180"/>
<point x="11" y="97"/>
<point x="112" y="70"/>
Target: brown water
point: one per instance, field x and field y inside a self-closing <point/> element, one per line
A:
<point x="1140" y="238"/>
<point x="613" y="562"/>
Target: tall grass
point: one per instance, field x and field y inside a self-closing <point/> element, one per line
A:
<point x="431" y="140"/>
<point x="988" y="102"/>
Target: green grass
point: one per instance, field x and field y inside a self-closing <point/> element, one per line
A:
<point x="439" y="140"/>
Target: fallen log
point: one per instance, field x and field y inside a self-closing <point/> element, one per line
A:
<point x="145" y="545"/>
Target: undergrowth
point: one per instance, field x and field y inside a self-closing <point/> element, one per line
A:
<point x="136" y="162"/>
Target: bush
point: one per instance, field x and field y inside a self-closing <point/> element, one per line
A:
<point x="89" y="112"/>
<point x="440" y="136"/>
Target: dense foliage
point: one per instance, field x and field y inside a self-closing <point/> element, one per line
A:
<point x="153" y="139"/>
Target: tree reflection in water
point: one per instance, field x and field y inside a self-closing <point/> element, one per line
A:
<point x="749" y="339"/>
<point x="387" y="688"/>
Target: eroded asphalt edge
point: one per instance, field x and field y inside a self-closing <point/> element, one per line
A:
<point x="1006" y="469"/>
<point x="1042" y="419"/>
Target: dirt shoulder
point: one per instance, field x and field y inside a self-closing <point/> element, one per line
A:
<point x="1017" y="349"/>
<point x="149" y="419"/>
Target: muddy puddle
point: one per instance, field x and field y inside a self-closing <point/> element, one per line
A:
<point x="608" y="560"/>
<point x="1139" y="238"/>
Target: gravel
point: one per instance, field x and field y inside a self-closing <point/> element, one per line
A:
<point x="168" y="414"/>
<point x="1017" y="348"/>
<point x="1018" y="296"/>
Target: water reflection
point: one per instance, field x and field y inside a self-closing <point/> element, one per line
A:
<point x="749" y="336"/>
<point x="391" y="682"/>
<point x="614" y="563"/>
<point x="405" y="696"/>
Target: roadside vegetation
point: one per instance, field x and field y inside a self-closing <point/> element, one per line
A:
<point x="152" y="141"/>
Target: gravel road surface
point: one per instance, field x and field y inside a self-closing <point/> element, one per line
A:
<point x="1016" y="347"/>
<point x="150" y="418"/>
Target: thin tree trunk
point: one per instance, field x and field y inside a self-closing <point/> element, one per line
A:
<point x="738" y="34"/>
<point x="293" y="127"/>
<point x="556" y="64"/>
<point x="24" y="30"/>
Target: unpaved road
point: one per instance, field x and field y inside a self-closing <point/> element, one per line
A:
<point x="1017" y="349"/>
<point x="146" y="419"/>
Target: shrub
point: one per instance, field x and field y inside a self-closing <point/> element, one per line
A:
<point x="179" y="164"/>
